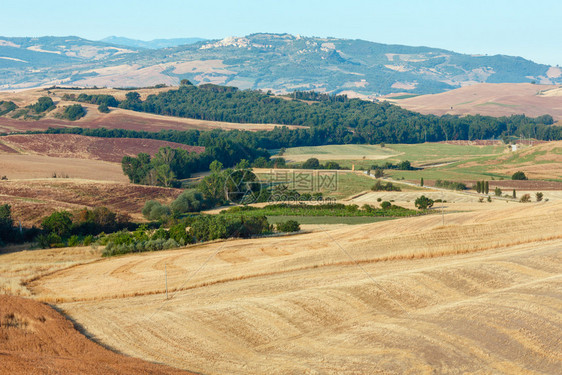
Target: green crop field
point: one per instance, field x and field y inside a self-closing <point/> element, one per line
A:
<point x="327" y="219"/>
<point x="439" y="160"/>
<point x="418" y="153"/>
<point x="351" y="150"/>
<point x="441" y="152"/>
<point x="335" y="184"/>
<point x="346" y="184"/>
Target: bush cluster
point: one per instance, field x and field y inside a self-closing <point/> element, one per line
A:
<point x="72" y="112"/>
<point x="150" y="245"/>
<point x="288" y="226"/>
<point x="63" y="228"/>
<point x="453" y="185"/>
<point x="379" y="186"/>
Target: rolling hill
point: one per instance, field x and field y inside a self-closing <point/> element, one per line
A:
<point x="151" y="44"/>
<point x="488" y="99"/>
<point x="36" y="339"/>
<point x="407" y="296"/>
<point x="277" y="62"/>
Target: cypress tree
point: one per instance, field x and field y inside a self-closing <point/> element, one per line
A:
<point x="514" y="194"/>
<point x="486" y="187"/>
<point x="421" y="181"/>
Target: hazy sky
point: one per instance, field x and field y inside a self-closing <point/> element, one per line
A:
<point x="531" y="29"/>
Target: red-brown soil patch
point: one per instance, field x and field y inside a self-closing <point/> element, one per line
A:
<point x="82" y="147"/>
<point x="526" y="185"/>
<point x="7" y="150"/>
<point x="36" y="339"/>
<point x="31" y="200"/>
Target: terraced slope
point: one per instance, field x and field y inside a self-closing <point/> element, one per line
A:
<point x="482" y="294"/>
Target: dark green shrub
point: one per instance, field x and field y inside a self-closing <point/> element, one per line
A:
<point x="311" y="163"/>
<point x="189" y="201"/>
<point x="525" y="198"/>
<point x="288" y="226"/>
<point x="74" y="240"/>
<point x="539" y="196"/>
<point x="379" y="186"/>
<point x="154" y="210"/>
<point x="43" y="104"/>
<point x="519" y="175"/>
<point x="453" y="185"/>
<point x="59" y="223"/>
<point x="73" y="112"/>
<point x="161" y="233"/>
<point x="423" y="202"/>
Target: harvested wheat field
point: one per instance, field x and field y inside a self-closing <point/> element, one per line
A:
<point x="18" y="166"/>
<point x="35" y="339"/>
<point x="492" y="99"/>
<point x="31" y="200"/>
<point x="74" y="146"/>
<point x="482" y="294"/>
<point x="20" y="266"/>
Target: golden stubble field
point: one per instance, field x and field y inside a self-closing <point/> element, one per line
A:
<point x="481" y="294"/>
<point x="490" y="99"/>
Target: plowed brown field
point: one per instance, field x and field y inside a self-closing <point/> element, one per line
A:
<point x="31" y="200"/>
<point x="74" y="146"/>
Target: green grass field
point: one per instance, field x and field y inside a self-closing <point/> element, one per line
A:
<point x="453" y="157"/>
<point x="420" y="151"/>
<point x="352" y="150"/>
<point x="347" y="183"/>
<point x="327" y="219"/>
<point x="332" y="184"/>
<point x="440" y="152"/>
<point x="438" y="160"/>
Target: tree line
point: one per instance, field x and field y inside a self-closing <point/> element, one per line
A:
<point x="332" y="120"/>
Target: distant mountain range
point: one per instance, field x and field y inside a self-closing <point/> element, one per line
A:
<point x="151" y="44"/>
<point x="277" y="62"/>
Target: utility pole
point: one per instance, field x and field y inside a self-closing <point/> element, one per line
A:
<point x="166" y="277"/>
<point x="442" y="208"/>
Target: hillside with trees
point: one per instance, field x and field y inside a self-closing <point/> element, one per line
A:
<point x="332" y="119"/>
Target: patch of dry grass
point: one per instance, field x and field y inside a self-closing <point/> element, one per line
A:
<point x="479" y="294"/>
<point x="19" y="266"/>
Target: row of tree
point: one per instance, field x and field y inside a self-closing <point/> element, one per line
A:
<point x="332" y="121"/>
<point x="62" y="228"/>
